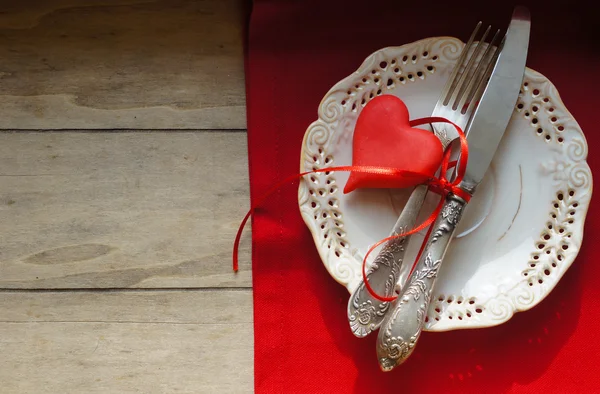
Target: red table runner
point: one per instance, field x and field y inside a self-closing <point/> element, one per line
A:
<point x="296" y="51"/>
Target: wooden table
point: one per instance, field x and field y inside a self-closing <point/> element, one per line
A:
<point x="123" y="178"/>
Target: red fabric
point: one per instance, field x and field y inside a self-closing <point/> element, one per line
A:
<point x="297" y="51"/>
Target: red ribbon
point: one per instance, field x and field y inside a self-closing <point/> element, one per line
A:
<point x="440" y="185"/>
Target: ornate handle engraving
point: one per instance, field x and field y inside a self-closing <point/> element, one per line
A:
<point x="365" y="313"/>
<point x="402" y="326"/>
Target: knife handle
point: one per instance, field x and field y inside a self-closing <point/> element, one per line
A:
<point x="366" y="313"/>
<point x="402" y="327"/>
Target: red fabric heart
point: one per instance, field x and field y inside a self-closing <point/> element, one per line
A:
<point x="383" y="138"/>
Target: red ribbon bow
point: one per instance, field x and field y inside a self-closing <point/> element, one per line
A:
<point x="440" y="185"/>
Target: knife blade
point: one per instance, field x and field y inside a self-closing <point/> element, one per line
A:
<point x="491" y="117"/>
<point x="404" y="322"/>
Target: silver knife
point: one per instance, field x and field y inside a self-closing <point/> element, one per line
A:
<point x="403" y="324"/>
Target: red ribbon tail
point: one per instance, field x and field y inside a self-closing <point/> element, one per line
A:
<point x="238" y="236"/>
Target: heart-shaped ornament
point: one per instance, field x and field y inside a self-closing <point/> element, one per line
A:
<point x="383" y="137"/>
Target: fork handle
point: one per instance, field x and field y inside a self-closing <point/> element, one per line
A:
<point x="402" y="327"/>
<point x="366" y="313"/>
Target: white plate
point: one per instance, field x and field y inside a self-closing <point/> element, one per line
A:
<point x="521" y="231"/>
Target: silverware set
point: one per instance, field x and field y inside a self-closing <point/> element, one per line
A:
<point x="479" y="97"/>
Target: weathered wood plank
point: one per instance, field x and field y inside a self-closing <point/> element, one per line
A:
<point x="147" y="342"/>
<point x="122" y="64"/>
<point x="193" y="306"/>
<point x="117" y="210"/>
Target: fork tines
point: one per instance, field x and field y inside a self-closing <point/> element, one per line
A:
<point x="472" y="70"/>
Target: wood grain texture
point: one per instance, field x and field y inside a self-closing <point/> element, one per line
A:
<point x="122" y="210"/>
<point x="122" y="64"/>
<point x="124" y="342"/>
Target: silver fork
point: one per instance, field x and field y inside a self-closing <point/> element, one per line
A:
<point x="407" y="316"/>
<point x="456" y="103"/>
